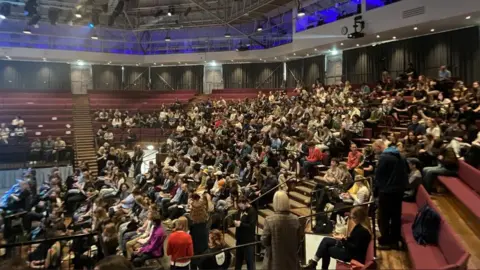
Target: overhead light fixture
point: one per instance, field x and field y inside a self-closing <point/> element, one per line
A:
<point x="378" y="36"/>
<point x="109" y="62"/>
<point x="275" y="58"/>
<point x="94" y="36"/>
<point x="91" y="25"/>
<point x="341" y="44"/>
<point x="8" y="57"/>
<point x="154" y="64"/>
<point x="78" y="15"/>
<point x="167" y="38"/>
<point x="27" y="31"/>
<point x="308" y="54"/>
<point x="358" y="45"/>
<point x="334" y="52"/>
<point x="374" y="44"/>
<point x="468" y="17"/>
<point x="301" y="12"/>
<point x="432" y="30"/>
<point x="80" y="62"/>
<point x="123" y="68"/>
<point x="261" y="59"/>
<point x="227" y="35"/>
<point x="179" y="62"/>
<point x="316" y="49"/>
<point x="213" y="63"/>
<point x="44" y="59"/>
<point x="294" y="54"/>
<point x="161" y="65"/>
<point x="415" y="28"/>
<point x="264" y="61"/>
<point x="136" y="65"/>
<point x="394" y="37"/>
<point x="259" y="29"/>
<point x="5" y="10"/>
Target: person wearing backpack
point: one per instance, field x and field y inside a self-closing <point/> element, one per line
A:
<point x="391" y="179"/>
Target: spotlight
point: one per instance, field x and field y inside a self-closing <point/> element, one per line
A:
<point x="80" y="62"/>
<point x="227" y="35"/>
<point x="358" y="45"/>
<point x="432" y="30"/>
<point x="5" y="9"/>
<point x="150" y="147"/>
<point x="44" y="59"/>
<point x="53" y="14"/>
<point x="378" y="36"/>
<point x="468" y="17"/>
<point x="27" y="31"/>
<point x="78" y="14"/>
<point x="91" y="25"/>
<point x="301" y="12"/>
<point x="167" y="38"/>
<point x="94" y="36"/>
<point x="341" y="44"/>
<point x="334" y="52"/>
<point x="415" y="28"/>
<point x="394" y="37"/>
<point x="259" y="29"/>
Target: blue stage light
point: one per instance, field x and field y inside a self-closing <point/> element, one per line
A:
<point x="91" y="25"/>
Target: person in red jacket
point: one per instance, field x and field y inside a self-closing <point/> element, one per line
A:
<point x="180" y="245"/>
<point x="314" y="158"/>
<point x="354" y="159"/>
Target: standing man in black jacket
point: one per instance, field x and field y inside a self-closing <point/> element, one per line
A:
<point x="245" y="222"/>
<point x="391" y="179"/>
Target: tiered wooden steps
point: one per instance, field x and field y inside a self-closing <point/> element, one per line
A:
<point x="84" y="144"/>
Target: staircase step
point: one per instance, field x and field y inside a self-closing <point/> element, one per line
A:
<point x="304" y="190"/>
<point x="299" y="197"/>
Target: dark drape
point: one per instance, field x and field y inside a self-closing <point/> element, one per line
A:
<point x="107" y="77"/>
<point x="459" y="50"/>
<point x="34" y="75"/>
<point x="307" y="70"/>
<point x="253" y="75"/>
<point x="136" y="78"/>
<point x="175" y="78"/>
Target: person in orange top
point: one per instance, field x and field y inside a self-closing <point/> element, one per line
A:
<point x="314" y="158"/>
<point x="354" y="159"/>
<point x="180" y="245"/>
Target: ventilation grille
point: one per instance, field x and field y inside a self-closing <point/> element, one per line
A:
<point x="413" y="12"/>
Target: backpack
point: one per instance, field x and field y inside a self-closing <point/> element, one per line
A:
<point x="426" y="226"/>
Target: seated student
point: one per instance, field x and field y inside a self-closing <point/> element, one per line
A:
<point x="333" y="174"/>
<point x="16" y="122"/>
<point x="153" y="248"/>
<point x="117" y="122"/>
<point x="108" y="136"/>
<point x="103" y="116"/>
<point x="314" y="158"/>
<point x="221" y="260"/>
<point x="172" y="209"/>
<point x="48" y="254"/>
<point x="414" y="180"/>
<point x="48" y="146"/>
<point x="354" y="159"/>
<point x="447" y="165"/>
<point x="21" y="200"/>
<point x="109" y="240"/>
<point x="35" y="150"/>
<point x="4" y="134"/>
<point x="20" y="133"/>
<point x="59" y="149"/>
<point x="352" y="246"/>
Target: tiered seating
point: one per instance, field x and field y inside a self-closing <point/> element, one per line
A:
<point x="45" y="114"/>
<point x="448" y="254"/>
<point x="242" y="93"/>
<point x="137" y="100"/>
<point x="465" y="187"/>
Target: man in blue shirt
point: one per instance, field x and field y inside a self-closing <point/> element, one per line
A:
<point x="444" y="74"/>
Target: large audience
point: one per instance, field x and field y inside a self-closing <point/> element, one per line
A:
<point x="227" y="160"/>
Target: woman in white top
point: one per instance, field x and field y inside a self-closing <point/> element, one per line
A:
<point x="129" y="123"/>
<point x="117" y="122"/>
<point x="433" y="128"/>
<point x="4" y="133"/>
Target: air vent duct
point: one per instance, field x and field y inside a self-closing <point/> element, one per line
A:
<point x="413" y="12"/>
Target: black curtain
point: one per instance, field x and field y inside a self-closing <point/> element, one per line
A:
<point x="307" y="70"/>
<point x="107" y="77"/>
<point x="34" y="75"/>
<point x="459" y="50"/>
<point x="253" y="75"/>
<point x="136" y="78"/>
<point x="176" y="78"/>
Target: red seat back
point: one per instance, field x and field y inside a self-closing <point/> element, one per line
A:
<point x="469" y="175"/>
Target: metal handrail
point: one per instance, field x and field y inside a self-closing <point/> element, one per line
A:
<point x="61" y="238"/>
<point x="270" y="190"/>
<point x="220" y="251"/>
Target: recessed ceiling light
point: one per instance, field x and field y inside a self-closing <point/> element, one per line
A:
<point x="378" y="36"/>
<point x="358" y="45"/>
<point x="394" y="37"/>
<point x="95" y="37"/>
<point x="468" y="17"/>
<point x="341" y="44"/>
<point x="294" y="54"/>
<point x="415" y="28"/>
<point x="432" y="30"/>
<point x="316" y="49"/>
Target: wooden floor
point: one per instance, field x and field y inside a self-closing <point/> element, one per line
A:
<point x="463" y="223"/>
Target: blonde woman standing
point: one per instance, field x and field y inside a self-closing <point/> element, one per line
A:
<point x="282" y="233"/>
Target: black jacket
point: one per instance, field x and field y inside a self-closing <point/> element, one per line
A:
<point x="391" y="175"/>
<point x="357" y="243"/>
<point x="245" y="233"/>
<point x="211" y="263"/>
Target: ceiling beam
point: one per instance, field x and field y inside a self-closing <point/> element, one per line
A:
<point x="228" y="23"/>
